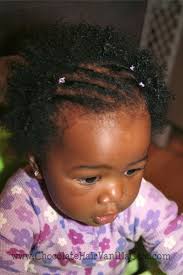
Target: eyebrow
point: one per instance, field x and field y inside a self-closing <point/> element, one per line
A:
<point x="104" y="166"/>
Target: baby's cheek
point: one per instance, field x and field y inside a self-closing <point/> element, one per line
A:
<point x="71" y="206"/>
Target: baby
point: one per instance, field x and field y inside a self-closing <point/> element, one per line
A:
<point x="82" y="109"/>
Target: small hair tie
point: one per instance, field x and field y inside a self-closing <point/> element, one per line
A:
<point x="141" y="84"/>
<point x="132" y="67"/>
<point x="61" y="80"/>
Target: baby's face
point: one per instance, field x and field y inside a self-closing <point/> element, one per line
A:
<point x="97" y="168"/>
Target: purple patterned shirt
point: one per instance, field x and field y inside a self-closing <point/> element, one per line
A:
<point x="35" y="239"/>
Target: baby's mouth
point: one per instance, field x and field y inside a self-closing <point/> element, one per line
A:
<point x="108" y="218"/>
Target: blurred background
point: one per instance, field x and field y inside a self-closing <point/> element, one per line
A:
<point x="156" y="24"/>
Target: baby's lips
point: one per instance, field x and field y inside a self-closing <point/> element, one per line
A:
<point x="106" y="219"/>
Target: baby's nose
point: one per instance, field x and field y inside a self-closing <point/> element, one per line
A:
<point x="111" y="193"/>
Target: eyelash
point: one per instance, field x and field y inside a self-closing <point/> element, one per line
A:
<point x="87" y="183"/>
<point x="97" y="178"/>
<point x="133" y="171"/>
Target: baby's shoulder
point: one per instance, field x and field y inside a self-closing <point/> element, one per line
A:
<point x="151" y="200"/>
<point x="149" y="191"/>
<point x="22" y="187"/>
<point x="15" y="183"/>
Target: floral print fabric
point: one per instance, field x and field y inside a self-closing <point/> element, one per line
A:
<point x="36" y="239"/>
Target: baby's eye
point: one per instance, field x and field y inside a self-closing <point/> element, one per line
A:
<point x="131" y="172"/>
<point x="89" y="181"/>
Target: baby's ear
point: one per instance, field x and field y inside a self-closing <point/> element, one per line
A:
<point x="35" y="168"/>
<point x="5" y="70"/>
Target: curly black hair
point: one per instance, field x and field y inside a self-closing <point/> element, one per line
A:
<point x="98" y="68"/>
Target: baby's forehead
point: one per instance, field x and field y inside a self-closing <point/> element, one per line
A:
<point x="90" y="127"/>
<point x="92" y="141"/>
